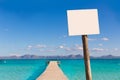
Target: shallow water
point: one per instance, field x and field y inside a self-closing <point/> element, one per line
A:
<point x="74" y="69"/>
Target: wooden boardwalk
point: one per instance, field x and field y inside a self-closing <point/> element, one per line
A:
<point x="52" y="72"/>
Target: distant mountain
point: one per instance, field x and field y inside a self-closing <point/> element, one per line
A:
<point x="27" y="56"/>
<point x="108" y="57"/>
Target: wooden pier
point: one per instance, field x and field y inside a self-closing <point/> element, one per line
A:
<point x="52" y="72"/>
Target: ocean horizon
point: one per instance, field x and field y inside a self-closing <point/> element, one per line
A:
<point x="30" y="69"/>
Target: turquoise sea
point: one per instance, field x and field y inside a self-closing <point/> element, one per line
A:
<point x="30" y="69"/>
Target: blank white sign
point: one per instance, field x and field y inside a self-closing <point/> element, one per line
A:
<point x="83" y="22"/>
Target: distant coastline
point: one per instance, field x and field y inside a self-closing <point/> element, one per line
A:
<point x="28" y="56"/>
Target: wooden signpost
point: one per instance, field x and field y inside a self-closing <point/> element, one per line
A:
<point x="84" y="22"/>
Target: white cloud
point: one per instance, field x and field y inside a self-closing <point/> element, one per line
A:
<point x="78" y="47"/>
<point x="41" y="50"/>
<point x="64" y="48"/>
<point x="29" y="47"/>
<point x="105" y="39"/>
<point x="90" y="39"/>
<point x="100" y="44"/>
<point x="47" y="50"/>
<point x="98" y="49"/>
<point x="73" y="48"/>
<point x="116" y="49"/>
<point x="61" y="47"/>
<point x="40" y="46"/>
<point x="68" y="49"/>
<point x="15" y="54"/>
<point x="51" y="50"/>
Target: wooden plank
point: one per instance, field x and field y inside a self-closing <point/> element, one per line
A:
<point x="52" y="72"/>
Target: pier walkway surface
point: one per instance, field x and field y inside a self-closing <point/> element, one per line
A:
<point x="52" y="72"/>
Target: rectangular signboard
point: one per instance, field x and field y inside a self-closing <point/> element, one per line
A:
<point x="83" y="22"/>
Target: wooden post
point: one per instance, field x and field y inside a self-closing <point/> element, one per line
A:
<point x="86" y="57"/>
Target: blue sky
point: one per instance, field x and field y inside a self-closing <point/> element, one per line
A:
<point x="40" y="27"/>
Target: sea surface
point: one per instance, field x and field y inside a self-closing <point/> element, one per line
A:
<point x="30" y="69"/>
